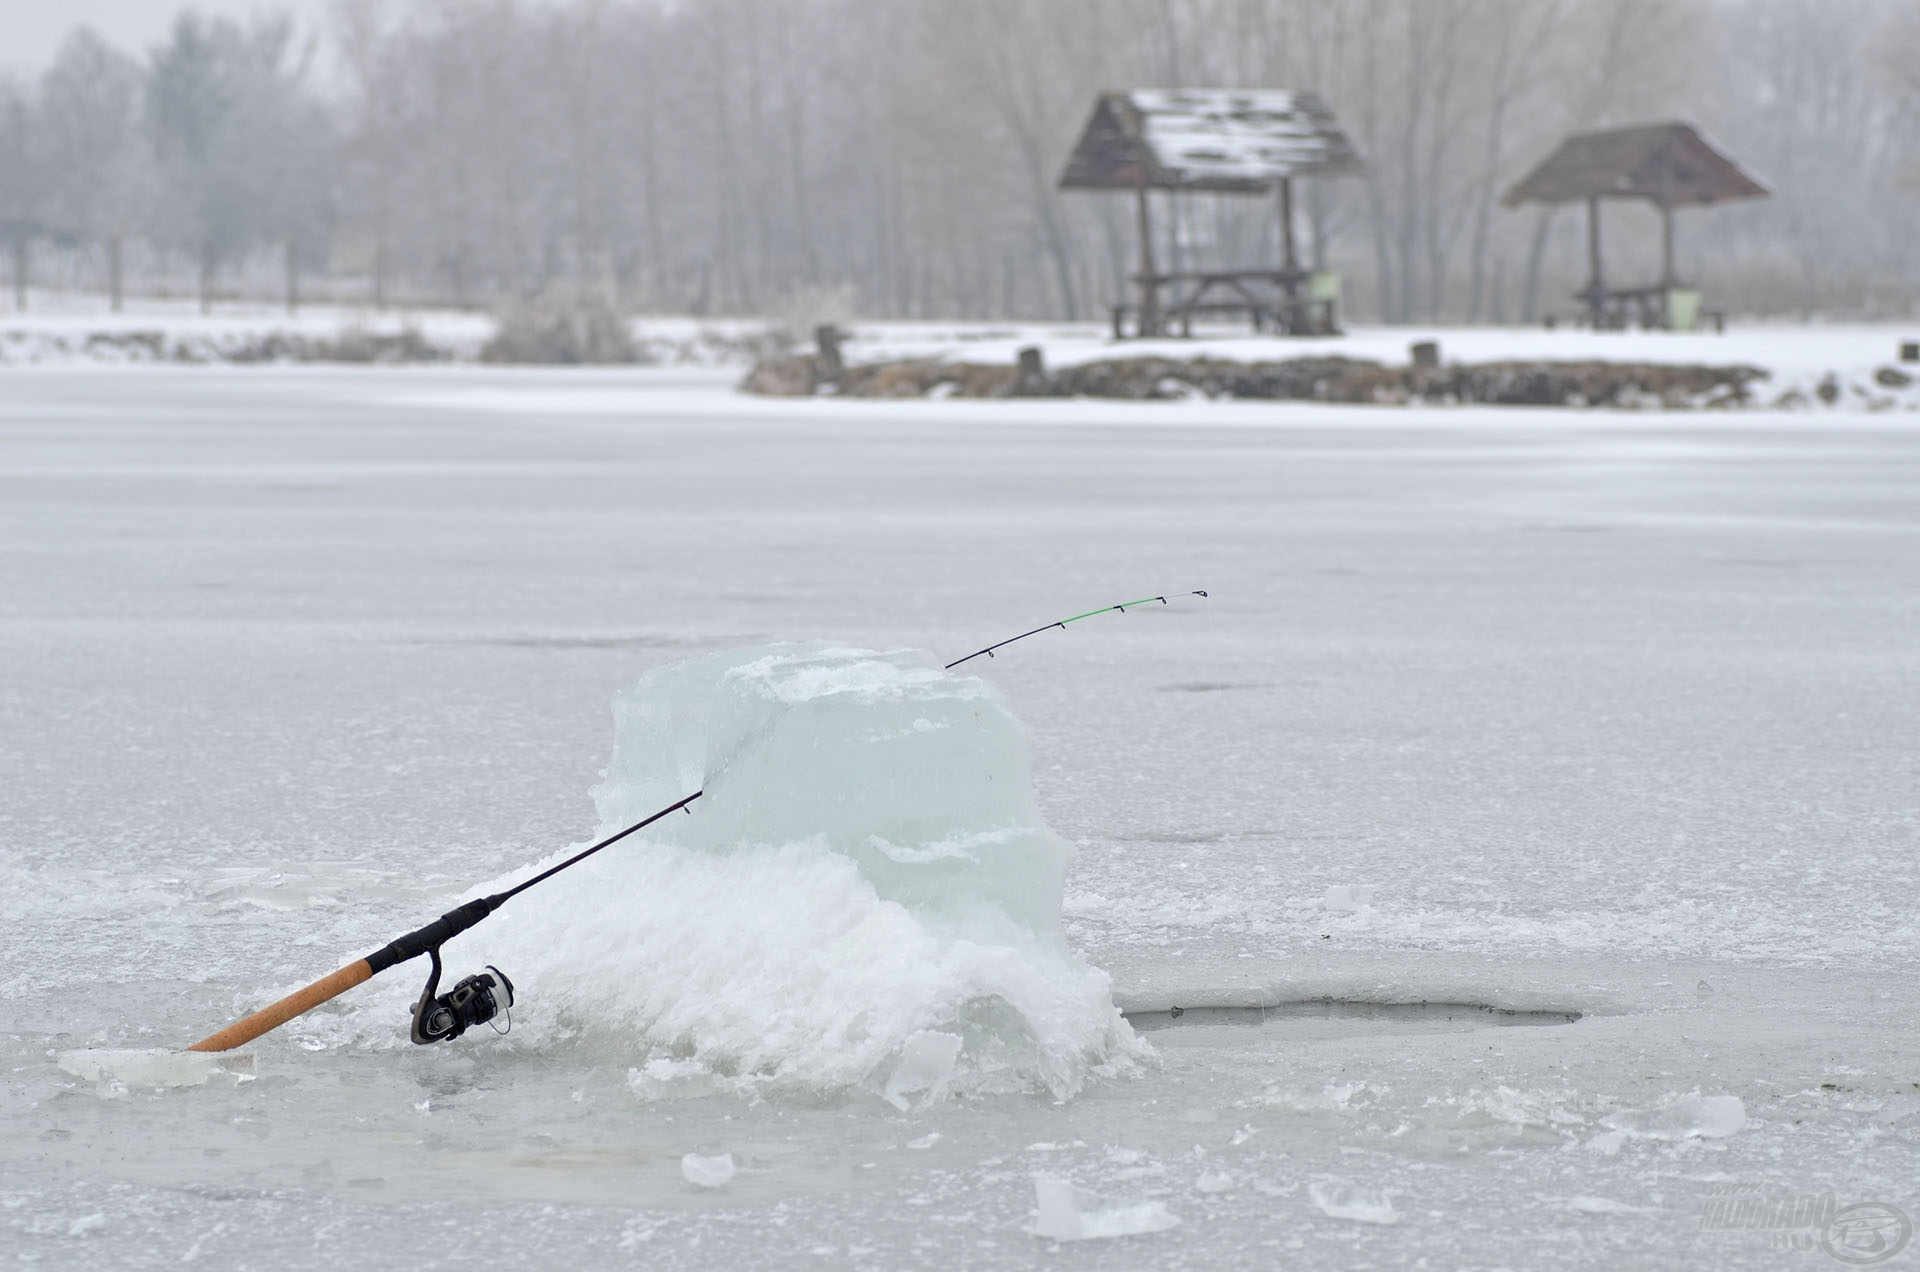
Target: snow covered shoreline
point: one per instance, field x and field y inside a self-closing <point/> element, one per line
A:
<point x="60" y="329"/>
<point x="1803" y="368"/>
<point x="1808" y="368"/>
<point x="1337" y="380"/>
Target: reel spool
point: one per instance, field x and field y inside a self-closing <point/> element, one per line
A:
<point x="475" y="1000"/>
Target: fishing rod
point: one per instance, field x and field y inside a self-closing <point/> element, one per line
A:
<point x="440" y="1018"/>
<point x="484" y="995"/>
<point x="1062" y="625"/>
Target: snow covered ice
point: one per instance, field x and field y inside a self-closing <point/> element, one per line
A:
<point x="1563" y="713"/>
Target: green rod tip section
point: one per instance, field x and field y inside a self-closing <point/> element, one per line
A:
<point x="1108" y="609"/>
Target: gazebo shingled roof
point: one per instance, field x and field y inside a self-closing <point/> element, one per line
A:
<point x="1667" y="164"/>
<point x="1221" y="140"/>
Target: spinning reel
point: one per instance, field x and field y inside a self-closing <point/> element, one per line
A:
<point x="475" y="1000"/>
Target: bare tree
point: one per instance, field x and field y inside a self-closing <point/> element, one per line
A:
<point x="90" y="101"/>
<point x="240" y="148"/>
<point x="1897" y="60"/>
<point x="1521" y="32"/>
<point x="21" y="189"/>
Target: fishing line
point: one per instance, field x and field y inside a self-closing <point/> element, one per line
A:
<point x="479" y="998"/>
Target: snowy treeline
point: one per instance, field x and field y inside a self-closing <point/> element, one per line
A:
<point x="210" y="148"/>
<point x="898" y="157"/>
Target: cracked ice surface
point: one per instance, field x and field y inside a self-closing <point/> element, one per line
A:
<point x="1604" y="713"/>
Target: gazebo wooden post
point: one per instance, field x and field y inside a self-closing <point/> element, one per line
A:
<point x="1666" y="245"/>
<point x="1596" y="285"/>
<point x="1665" y="201"/>
<point x="1291" y="320"/>
<point x="1149" y="284"/>
<point x="1289" y="254"/>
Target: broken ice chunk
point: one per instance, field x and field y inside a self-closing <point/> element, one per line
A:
<point x="1343" y="1199"/>
<point x="1064" y="1214"/>
<point x="1057" y="1207"/>
<point x="1684" y="1117"/>
<point x="707" y="1172"/>
<point x="156" y="1066"/>
<point x="1346" y="898"/>
<point x="926" y="1064"/>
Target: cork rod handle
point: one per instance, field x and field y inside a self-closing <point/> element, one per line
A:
<point x="242" y="1032"/>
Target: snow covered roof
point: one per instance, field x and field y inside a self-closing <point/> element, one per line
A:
<point x="1669" y="163"/>
<point x="1227" y="140"/>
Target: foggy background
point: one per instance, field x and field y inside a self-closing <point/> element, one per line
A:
<point x="898" y="158"/>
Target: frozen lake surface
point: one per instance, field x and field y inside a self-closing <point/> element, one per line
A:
<point x="1513" y="712"/>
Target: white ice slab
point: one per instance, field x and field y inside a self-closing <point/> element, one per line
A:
<point x="155" y="1066"/>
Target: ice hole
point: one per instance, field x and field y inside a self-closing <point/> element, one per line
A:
<point x="1357" y="1013"/>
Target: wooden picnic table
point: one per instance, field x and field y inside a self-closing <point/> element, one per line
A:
<point x="1619" y="308"/>
<point x="1273" y="299"/>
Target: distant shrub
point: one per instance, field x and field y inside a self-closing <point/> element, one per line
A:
<point x="357" y="343"/>
<point x="561" y="328"/>
<point x="798" y="315"/>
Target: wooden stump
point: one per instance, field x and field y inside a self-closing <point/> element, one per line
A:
<point x="832" y="365"/>
<point x="1426" y="355"/>
<point x="1030" y="377"/>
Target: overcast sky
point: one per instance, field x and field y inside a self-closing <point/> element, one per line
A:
<point x="31" y="30"/>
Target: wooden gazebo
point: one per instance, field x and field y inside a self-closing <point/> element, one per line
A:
<point x="1669" y="165"/>
<point x="1220" y="141"/>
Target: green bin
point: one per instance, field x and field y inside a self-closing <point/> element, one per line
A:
<point x="1683" y="309"/>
